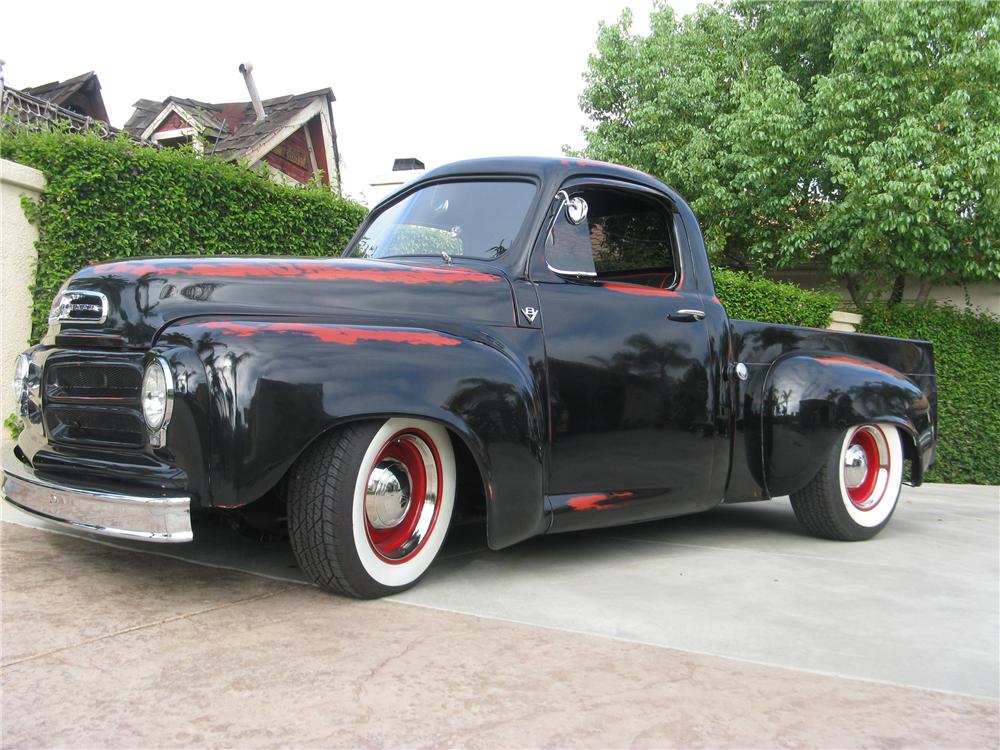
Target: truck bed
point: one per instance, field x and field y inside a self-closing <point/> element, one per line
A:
<point x="759" y="345"/>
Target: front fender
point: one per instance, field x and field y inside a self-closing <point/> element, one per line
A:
<point x="809" y="400"/>
<point x="277" y="385"/>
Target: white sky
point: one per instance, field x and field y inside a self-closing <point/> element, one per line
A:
<point x="438" y="80"/>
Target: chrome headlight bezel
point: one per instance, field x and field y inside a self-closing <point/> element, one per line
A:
<point x="22" y="372"/>
<point x="158" y="368"/>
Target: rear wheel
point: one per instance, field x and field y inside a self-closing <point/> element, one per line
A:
<point x="854" y="494"/>
<point x="369" y="506"/>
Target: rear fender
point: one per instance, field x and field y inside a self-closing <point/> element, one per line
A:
<point x="810" y="400"/>
<point x="277" y="386"/>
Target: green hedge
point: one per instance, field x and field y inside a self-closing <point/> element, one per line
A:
<point x="114" y="199"/>
<point x="966" y="360"/>
<point x="754" y="298"/>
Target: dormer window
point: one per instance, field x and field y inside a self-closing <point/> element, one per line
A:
<point x="174" y="127"/>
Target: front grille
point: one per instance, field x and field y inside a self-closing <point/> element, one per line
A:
<point x="94" y="399"/>
<point x="87" y="426"/>
<point x="95" y="381"/>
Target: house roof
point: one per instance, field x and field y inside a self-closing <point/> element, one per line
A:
<point x="207" y="115"/>
<point x="233" y="124"/>
<point x="60" y="93"/>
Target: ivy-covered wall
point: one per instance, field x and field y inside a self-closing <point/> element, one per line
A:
<point x="966" y="360"/>
<point x="113" y="199"/>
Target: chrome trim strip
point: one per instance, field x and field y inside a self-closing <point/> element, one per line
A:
<point x="152" y="519"/>
<point x="581" y="274"/>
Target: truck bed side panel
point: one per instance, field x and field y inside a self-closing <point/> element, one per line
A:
<point x="892" y="378"/>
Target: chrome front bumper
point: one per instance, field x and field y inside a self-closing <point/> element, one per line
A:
<point x="152" y="519"/>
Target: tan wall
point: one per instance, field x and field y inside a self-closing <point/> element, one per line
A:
<point x="17" y="262"/>
<point x="984" y="295"/>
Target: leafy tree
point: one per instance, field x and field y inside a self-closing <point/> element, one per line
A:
<point x="862" y="136"/>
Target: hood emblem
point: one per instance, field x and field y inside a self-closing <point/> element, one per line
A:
<point x="79" y="307"/>
<point x="530" y="313"/>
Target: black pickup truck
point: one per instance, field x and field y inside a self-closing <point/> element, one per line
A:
<point x="537" y="340"/>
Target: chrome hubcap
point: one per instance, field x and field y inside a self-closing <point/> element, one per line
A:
<point x="401" y="496"/>
<point x="855" y="466"/>
<point x="387" y="497"/>
<point x="866" y="467"/>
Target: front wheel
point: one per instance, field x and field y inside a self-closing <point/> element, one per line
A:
<point x="369" y="505"/>
<point x="853" y="495"/>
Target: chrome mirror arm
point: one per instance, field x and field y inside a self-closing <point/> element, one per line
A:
<point x="550" y="234"/>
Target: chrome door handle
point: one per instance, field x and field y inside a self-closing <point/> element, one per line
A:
<point x="687" y="316"/>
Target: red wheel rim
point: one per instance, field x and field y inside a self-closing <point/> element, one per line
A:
<point x="869" y="443"/>
<point x="402" y="495"/>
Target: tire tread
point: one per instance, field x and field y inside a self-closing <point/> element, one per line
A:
<point x="813" y="505"/>
<point x="314" y="513"/>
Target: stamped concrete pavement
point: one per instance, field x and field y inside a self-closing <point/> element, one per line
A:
<point x="720" y="627"/>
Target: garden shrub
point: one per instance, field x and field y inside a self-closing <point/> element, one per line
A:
<point x="114" y="199"/>
<point x="749" y="297"/>
<point x="966" y="360"/>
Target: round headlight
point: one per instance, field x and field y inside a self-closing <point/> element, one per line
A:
<point x="21" y="369"/>
<point x="156" y="394"/>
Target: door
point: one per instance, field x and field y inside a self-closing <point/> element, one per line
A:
<point x="632" y="409"/>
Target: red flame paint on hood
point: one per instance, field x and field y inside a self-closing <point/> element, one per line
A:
<point x="639" y="290"/>
<point x="346" y="335"/>
<point x="310" y="271"/>
<point x="603" y="501"/>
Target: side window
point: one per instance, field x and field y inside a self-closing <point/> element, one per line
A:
<point x="627" y="237"/>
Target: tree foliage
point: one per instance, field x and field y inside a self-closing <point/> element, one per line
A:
<point x="862" y="136"/>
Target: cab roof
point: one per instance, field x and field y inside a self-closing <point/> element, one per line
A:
<point x="546" y="169"/>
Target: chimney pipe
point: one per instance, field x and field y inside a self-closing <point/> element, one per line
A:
<point x="247" y="70"/>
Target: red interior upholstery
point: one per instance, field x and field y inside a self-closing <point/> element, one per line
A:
<point x="657" y="279"/>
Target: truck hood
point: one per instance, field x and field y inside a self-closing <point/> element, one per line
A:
<point x="143" y="296"/>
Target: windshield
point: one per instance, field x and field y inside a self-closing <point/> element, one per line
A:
<point x="467" y="219"/>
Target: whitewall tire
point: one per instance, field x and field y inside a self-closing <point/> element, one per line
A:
<point x="369" y="506"/>
<point x="855" y="492"/>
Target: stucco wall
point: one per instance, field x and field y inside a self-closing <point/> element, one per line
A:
<point x="984" y="295"/>
<point x="18" y="258"/>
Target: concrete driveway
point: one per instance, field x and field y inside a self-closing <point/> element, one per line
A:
<point x="726" y="629"/>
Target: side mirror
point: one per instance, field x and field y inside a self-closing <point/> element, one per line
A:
<point x="573" y="257"/>
<point x="576" y="210"/>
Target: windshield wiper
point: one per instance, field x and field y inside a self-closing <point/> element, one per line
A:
<point x="497" y="251"/>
